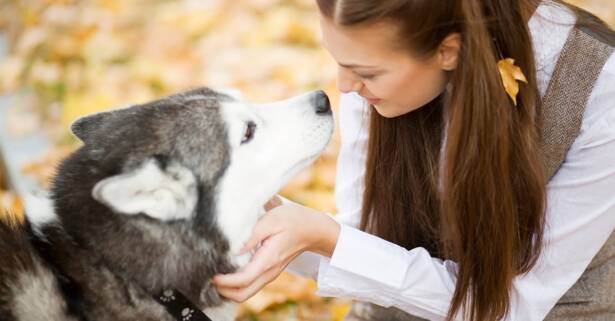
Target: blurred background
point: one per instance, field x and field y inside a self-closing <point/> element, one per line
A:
<point x="61" y="59"/>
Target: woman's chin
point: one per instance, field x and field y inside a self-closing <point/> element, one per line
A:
<point x="390" y="111"/>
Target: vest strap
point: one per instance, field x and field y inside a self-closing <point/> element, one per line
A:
<point x="578" y="67"/>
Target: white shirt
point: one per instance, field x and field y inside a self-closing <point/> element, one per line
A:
<point x="580" y="214"/>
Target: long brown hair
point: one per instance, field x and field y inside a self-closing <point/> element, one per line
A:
<point x="478" y="197"/>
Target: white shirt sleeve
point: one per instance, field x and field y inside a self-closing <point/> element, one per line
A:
<point x="580" y="217"/>
<point x="350" y="173"/>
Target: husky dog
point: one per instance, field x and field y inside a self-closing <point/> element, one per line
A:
<point x="160" y="196"/>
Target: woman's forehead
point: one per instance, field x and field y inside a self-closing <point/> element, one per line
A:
<point x="365" y="45"/>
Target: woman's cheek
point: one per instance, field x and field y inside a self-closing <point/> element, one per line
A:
<point x="381" y="89"/>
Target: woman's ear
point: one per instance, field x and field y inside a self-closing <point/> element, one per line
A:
<point x="448" y="51"/>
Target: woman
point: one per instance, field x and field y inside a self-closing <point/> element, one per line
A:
<point x="456" y="179"/>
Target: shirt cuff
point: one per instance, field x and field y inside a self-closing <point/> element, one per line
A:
<point x="367" y="268"/>
<point x="363" y="267"/>
<point x="305" y="265"/>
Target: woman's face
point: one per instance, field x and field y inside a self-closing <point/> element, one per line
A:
<point x="389" y="78"/>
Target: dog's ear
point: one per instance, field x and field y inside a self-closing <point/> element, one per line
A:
<point x="84" y="127"/>
<point x="87" y="127"/>
<point x="160" y="189"/>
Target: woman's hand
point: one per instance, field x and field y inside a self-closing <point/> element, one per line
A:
<point x="285" y="231"/>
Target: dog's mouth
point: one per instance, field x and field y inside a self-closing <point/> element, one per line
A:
<point x="305" y="162"/>
<point x="299" y="166"/>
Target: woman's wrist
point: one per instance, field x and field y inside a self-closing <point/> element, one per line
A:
<point x="325" y="235"/>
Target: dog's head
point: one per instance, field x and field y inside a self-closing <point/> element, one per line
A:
<point x="183" y="174"/>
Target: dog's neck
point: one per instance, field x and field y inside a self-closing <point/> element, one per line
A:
<point x="145" y="256"/>
<point x="236" y="222"/>
<point x="150" y="254"/>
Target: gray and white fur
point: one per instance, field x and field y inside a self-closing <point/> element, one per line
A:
<point x="160" y="196"/>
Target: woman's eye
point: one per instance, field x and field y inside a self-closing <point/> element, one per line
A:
<point x="249" y="132"/>
<point x="367" y="77"/>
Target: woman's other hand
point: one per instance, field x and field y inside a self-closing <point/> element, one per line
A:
<point x="284" y="232"/>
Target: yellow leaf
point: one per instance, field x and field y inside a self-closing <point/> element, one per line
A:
<point x="285" y="288"/>
<point x="11" y="210"/>
<point x="339" y="311"/>
<point x="510" y="75"/>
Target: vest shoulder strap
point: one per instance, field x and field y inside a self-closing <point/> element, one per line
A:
<point x="576" y="72"/>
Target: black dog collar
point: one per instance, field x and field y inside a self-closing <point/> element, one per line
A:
<point x="180" y="307"/>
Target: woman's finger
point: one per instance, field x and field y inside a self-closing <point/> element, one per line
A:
<point x="257" y="266"/>
<point x="262" y="230"/>
<point x="273" y="203"/>
<point x="242" y="294"/>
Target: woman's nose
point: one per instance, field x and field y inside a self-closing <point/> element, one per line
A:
<point x="347" y="81"/>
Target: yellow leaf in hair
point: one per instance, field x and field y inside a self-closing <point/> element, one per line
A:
<point x="511" y="74"/>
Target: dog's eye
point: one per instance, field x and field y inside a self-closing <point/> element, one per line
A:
<point x="249" y="132"/>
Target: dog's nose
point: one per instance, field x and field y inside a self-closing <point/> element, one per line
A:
<point x="322" y="104"/>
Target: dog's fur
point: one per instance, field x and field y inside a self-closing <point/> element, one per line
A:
<point x="160" y="196"/>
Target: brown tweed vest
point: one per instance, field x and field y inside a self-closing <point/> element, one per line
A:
<point x="592" y="297"/>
